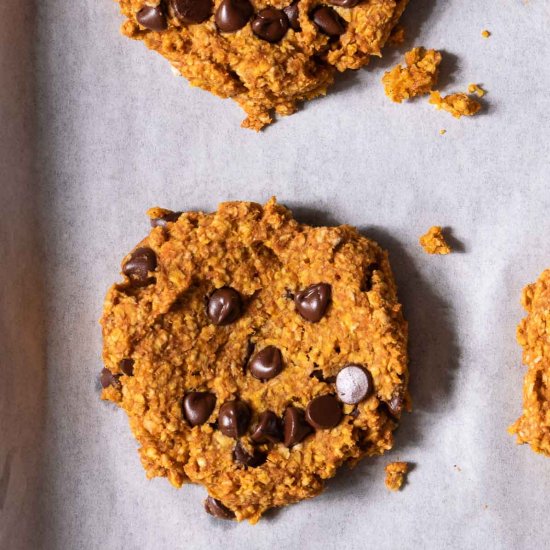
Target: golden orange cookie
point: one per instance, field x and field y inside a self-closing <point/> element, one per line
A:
<point x="266" y="55"/>
<point x="253" y="354"/>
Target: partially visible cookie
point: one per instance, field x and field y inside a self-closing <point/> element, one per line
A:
<point x="267" y="55"/>
<point x="533" y="334"/>
<point x="253" y="354"/>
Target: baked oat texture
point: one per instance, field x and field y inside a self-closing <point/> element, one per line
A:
<point x="395" y="475"/>
<point x="161" y="328"/>
<point x="458" y="105"/>
<point x="418" y="77"/>
<point x="533" y="334"/>
<point x="433" y="242"/>
<point x="264" y="77"/>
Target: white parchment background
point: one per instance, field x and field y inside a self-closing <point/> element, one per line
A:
<point x="95" y="129"/>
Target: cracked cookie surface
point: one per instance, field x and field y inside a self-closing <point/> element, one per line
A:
<point x="533" y="334"/>
<point x="267" y="56"/>
<point x="253" y="354"/>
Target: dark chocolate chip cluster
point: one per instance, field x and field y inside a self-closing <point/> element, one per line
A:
<point x="269" y="24"/>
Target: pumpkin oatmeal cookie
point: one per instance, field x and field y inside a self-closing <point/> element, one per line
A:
<point x="533" y="334"/>
<point x="253" y="354"/>
<point x="418" y="78"/>
<point x="266" y="55"/>
<point x="433" y="242"/>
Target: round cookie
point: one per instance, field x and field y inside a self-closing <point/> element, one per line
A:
<point x="533" y="334"/>
<point x="266" y="55"/>
<point x="224" y="342"/>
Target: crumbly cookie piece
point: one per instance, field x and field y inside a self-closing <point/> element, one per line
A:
<point x="253" y="354"/>
<point x="266" y="55"/>
<point x="476" y="89"/>
<point x="533" y="334"/>
<point x="457" y="104"/>
<point x="433" y="242"/>
<point x="417" y="78"/>
<point x="395" y="475"/>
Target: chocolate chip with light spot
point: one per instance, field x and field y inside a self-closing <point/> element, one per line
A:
<point x="169" y="217"/>
<point x="270" y="24"/>
<point x="268" y="428"/>
<point x="191" y="11"/>
<point x="197" y="407"/>
<point x="344" y="3"/>
<point x="234" y="418"/>
<point x="152" y="18"/>
<point x="107" y="378"/>
<point x="395" y="404"/>
<point x="353" y="384"/>
<point x="233" y="15"/>
<point x="328" y="21"/>
<point x="224" y="306"/>
<point x="293" y="14"/>
<point x="266" y="364"/>
<point x="312" y="302"/>
<point x="140" y="265"/>
<point x="296" y="429"/>
<point x="215" y="508"/>
<point x="127" y="366"/>
<point x="324" y="412"/>
<point x="244" y="457"/>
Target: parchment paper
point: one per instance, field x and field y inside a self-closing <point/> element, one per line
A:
<point x="95" y="129"/>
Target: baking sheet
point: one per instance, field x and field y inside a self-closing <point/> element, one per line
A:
<point x="95" y="129"/>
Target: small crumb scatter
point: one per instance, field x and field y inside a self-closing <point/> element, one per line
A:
<point x="395" y="475"/>
<point x="433" y="242"/>
<point x="485" y="33"/>
<point x="476" y="89"/>
<point x="457" y="468"/>
<point x="457" y="104"/>
<point x="442" y="131"/>
<point x="417" y="78"/>
<point x="397" y="36"/>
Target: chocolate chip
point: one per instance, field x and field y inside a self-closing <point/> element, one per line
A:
<point x="344" y="3"/>
<point x="192" y="11"/>
<point x="107" y="378"/>
<point x="395" y="404"/>
<point x="233" y="15"/>
<point x="296" y="429"/>
<point x="127" y="366"/>
<point x="293" y="14"/>
<point x="197" y="407"/>
<point x="142" y="262"/>
<point x="242" y="456"/>
<point x="224" y="306"/>
<point x="163" y="220"/>
<point x="328" y="21"/>
<point x="215" y="508"/>
<point x="270" y="24"/>
<point x="353" y="384"/>
<point x="234" y="418"/>
<point x="152" y="18"/>
<point x="268" y="428"/>
<point x="266" y="364"/>
<point x="324" y="412"/>
<point x="312" y="302"/>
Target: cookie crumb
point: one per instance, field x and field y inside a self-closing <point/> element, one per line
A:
<point x="485" y="33"/>
<point x="457" y="104"/>
<point x="442" y="132"/>
<point x="397" y="36"/>
<point x="417" y="78"/>
<point x="476" y="89"/>
<point x="433" y="242"/>
<point x="395" y="475"/>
